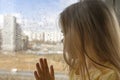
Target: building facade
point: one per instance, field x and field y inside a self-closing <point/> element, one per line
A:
<point x="11" y="34"/>
<point x="45" y="36"/>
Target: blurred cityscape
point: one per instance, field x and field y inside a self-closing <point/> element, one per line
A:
<point x="21" y="49"/>
<point x="12" y="38"/>
<point x="29" y="32"/>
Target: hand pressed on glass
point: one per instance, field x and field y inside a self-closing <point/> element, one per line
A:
<point x="43" y="72"/>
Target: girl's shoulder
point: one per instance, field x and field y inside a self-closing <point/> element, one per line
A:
<point x="100" y="73"/>
<point x="106" y="74"/>
<point x="103" y="74"/>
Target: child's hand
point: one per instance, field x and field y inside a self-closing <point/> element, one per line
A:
<point x="43" y="71"/>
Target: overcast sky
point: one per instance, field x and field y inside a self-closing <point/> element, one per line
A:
<point x="42" y="11"/>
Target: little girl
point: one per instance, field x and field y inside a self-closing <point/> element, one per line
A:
<point x="91" y="43"/>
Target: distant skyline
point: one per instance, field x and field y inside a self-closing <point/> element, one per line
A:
<point x="36" y="10"/>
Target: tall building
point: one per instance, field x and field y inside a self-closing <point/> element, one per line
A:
<point x="18" y="37"/>
<point x="10" y="34"/>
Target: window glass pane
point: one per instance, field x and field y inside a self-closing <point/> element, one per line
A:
<point x="28" y="31"/>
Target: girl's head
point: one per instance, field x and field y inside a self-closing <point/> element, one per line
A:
<point x="91" y="31"/>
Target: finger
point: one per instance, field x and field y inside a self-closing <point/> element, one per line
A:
<point x="46" y="66"/>
<point x="38" y="69"/>
<point x="36" y="75"/>
<point x="52" y="72"/>
<point x="46" y="70"/>
<point x="42" y="68"/>
<point x="41" y="64"/>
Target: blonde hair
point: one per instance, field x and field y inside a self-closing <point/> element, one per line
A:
<point x="89" y="25"/>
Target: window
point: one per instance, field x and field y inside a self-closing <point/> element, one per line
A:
<point x="21" y="23"/>
<point x="35" y="24"/>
